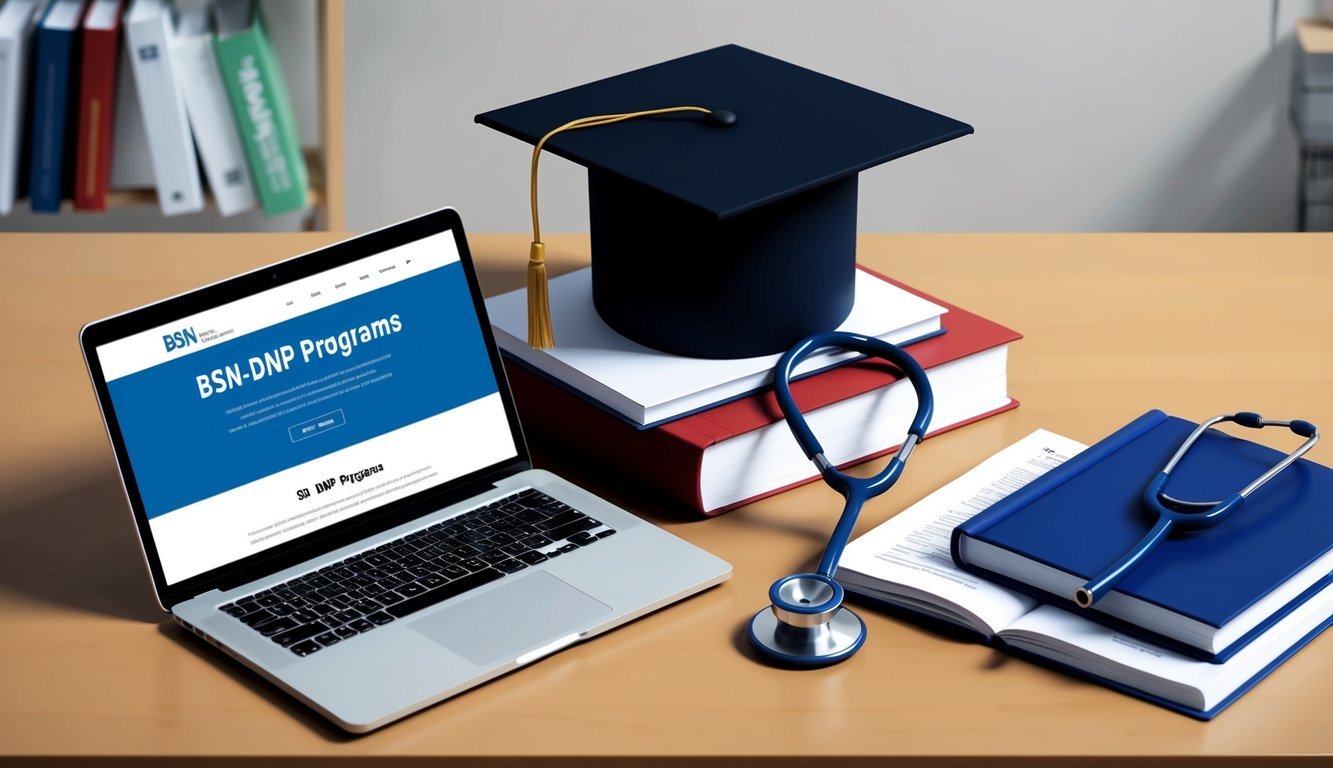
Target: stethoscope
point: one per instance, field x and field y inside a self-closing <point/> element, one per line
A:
<point x="807" y="623"/>
<point x="1175" y="514"/>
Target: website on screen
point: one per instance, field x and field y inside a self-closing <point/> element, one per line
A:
<point x="259" y="421"/>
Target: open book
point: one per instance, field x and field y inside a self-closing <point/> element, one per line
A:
<point x="906" y="563"/>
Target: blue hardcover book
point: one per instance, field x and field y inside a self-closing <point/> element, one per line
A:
<point x="1194" y="688"/>
<point x="897" y="567"/>
<point x="53" y="102"/>
<point x="1204" y="593"/>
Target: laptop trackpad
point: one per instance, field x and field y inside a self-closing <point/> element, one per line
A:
<point x="536" y="609"/>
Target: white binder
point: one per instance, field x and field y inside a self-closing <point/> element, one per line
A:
<point x="18" y="19"/>
<point x="148" y="35"/>
<point x="215" y="132"/>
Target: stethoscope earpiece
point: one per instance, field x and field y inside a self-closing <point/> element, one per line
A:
<point x="806" y="623"/>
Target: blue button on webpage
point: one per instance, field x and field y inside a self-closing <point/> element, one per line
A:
<point x="317" y="426"/>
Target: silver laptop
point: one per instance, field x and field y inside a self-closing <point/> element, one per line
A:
<point x="330" y="484"/>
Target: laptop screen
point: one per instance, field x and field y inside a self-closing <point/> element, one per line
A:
<point x="253" y="423"/>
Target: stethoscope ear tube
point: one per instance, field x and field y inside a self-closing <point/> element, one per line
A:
<point x="866" y="345"/>
<point x="1173" y="513"/>
<point x="806" y="623"/>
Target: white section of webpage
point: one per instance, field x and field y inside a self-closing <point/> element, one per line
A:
<point x="259" y="515"/>
<point x="238" y="318"/>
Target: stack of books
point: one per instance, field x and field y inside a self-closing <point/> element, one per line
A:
<point x="1312" y="116"/>
<point x="708" y="433"/>
<point x="79" y="117"/>
<point x="1192" y="627"/>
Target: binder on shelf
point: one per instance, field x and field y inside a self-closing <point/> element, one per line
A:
<point x="1206" y="593"/>
<point x="18" y="19"/>
<point x="148" y="35"/>
<point x="131" y="164"/>
<point x="214" y="128"/>
<point x="255" y="85"/>
<point x="97" y="103"/>
<point x="54" y="98"/>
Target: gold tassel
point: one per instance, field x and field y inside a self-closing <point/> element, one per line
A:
<point x="540" y="333"/>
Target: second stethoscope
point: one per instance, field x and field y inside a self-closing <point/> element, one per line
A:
<point x="807" y="623"/>
<point x="1176" y="514"/>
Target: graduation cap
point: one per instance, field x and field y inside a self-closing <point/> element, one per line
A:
<point x="721" y="193"/>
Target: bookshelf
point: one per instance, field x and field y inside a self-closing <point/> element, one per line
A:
<point x="325" y="198"/>
<point x="327" y="174"/>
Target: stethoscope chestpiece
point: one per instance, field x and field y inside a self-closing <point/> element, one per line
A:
<point x="806" y="625"/>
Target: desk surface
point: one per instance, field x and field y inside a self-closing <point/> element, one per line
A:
<point x="1114" y="324"/>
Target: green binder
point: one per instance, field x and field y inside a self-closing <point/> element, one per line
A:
<point x="258" y="95"/>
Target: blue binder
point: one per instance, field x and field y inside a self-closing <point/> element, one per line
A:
<point x="53" y="110"/>
<point x="1082" y="516"/>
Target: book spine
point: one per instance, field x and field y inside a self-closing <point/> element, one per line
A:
<point x="264" y="117"/>
<point x="11" y="113"/>
<point x="131" y="164"/>
<point x="50" y="109"/>
<point x="214" y="128"/>
<point x="1053" y="479"/>
<point x="170" y="144"/>
<point x="1012" y="404"/>
<point x="659" y="458"/>
<point x="668" y="459"/>
<point x="97" y="98"/>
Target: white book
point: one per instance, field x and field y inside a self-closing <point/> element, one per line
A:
<point x="906" y="562"/>
<point x="215" y="132"/>
<point x="647" y="386"/>
<point x="18" y="18"/>
<point x="131" y="166"/>
<point x="148" y="35"/>
<point x="746" y="466"/>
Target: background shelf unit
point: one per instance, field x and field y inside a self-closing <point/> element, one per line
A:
<point x="325" y="202"/>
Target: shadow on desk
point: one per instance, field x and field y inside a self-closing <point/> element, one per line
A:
<point x="256" y="684"/>
<point x="69" y="540"/>
<point x="624" y="491"/>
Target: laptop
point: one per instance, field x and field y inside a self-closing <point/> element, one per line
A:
<point x="330" y="484"/>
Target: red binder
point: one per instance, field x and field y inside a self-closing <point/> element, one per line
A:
<point x="97" y="101"/>
<point x="668" y="458"/>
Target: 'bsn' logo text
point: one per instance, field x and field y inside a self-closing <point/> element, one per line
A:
<point x="180" y="339"/>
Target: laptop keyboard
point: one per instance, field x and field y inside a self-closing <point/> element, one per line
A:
<point x="377" y="586"/>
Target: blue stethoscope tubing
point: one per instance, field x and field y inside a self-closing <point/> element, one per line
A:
<point x="806" y="623"/>
<point x="1175" y="514"/>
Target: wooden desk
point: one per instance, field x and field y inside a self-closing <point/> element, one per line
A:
<point x="1115" y="324"/>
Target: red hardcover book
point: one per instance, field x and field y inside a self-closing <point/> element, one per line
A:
<point x="97" y="101"/>
<point x="711" y="461"/>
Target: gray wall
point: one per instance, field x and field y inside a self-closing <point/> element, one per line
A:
<point x="1109" y="115"/>
<point x="1095" y="115"/>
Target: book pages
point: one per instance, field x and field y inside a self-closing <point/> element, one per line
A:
<point x="906" y="560"/>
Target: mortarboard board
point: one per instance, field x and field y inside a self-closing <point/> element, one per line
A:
<point x="725" y="241"/>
